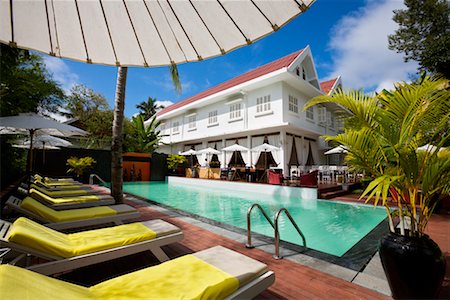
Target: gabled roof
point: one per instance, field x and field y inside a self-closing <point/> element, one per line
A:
<point x="328" y="85"/>
<point x="258" y="72"/>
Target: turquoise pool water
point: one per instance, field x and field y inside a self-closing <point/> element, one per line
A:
<point x="329" y="226"/>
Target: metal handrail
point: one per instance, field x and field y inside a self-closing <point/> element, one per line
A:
<point x="277" y="233"/>
<point x="91" y="179"/>
<point x="249" y="233"/>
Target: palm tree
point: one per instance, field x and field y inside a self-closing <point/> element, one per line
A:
<point x="116" y="145"/>
<point x="148" y="108"/>
<point x="382" y="136"/>
<point x="147" y="136"/>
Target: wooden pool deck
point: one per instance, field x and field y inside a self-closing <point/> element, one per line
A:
<point x="293" y="281"/>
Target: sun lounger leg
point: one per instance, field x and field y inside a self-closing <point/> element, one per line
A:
<point x="159" y="253"/>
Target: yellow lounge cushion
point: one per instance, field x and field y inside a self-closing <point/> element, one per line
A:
<point x="186" y="277"/>
<point x="77" y="192"/>
<point x="47" y="179"/>
<point x="18" y="283"/>
<point x="59" y="185"/>
<point x="52" y="215"/>
<point x="51" y="200"/>
<point x="33" y="235"/>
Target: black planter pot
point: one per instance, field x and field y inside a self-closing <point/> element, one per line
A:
<point x="414" y="266"/>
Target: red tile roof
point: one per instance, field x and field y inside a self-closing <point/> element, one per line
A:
<point x="326" y="86"/>
<point x="258" y="72"/>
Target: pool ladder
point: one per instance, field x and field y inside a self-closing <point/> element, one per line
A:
<point x="274" y="226"/>
<point x="95" y="176"/>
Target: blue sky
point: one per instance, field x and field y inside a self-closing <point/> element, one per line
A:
<point x="347" y="38"/>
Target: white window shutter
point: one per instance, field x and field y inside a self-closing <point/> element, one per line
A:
<point x="322" y="115"/>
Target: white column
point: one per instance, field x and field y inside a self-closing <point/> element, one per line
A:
<point x="249" y="152"/>
<point x="224" y="161"/>
<point x="283" y="153"/>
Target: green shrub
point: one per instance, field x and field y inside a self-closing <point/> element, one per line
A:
<point x="80" y="165"/>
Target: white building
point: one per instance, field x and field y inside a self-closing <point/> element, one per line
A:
<point x="267" y="101"/>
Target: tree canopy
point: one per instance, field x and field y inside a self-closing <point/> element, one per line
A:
<point x="424" y="34"/>
<point x="92" y="113"/>
<point x="148" y="108"/>
<point x="25" y="83"/>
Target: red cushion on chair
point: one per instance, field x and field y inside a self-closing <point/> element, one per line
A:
<point x="274" y="177"/>
<point x="309" y="179"/>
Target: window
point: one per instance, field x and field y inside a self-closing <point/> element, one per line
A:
<point x="293" y="104"/>
<point x="176" y="127"/>
<point x="212" y="117"/>
<point x="192" y="122"/>
<point x="162" y="128"/>
<point x="322" y="115"/>
<point x="303" y="74"/>
<point x="310" y="113"/>
<point x="330" y="119"/>
<point x="235" y="111"/>
<point x="263" y="104"/>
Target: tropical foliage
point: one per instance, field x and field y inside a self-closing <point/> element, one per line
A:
<point x="141" y="137"/>
<point x="148" y="108"/>
<point x="174" y="160"/>
<point x="93" y="114"/>
<point x="25" y="83"/>
<point x="383" y="135"/>
<point x="79" y="165"/>
<point x="423" y="34"/>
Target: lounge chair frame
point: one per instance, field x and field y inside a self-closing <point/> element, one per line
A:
<point x="106" y="200"/>
<point x="14" y="204"/>
<point x="59" y="264"/>
<point x="254" y="287"/>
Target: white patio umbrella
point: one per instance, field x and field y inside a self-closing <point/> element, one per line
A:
<point x="265" y="148"/>
<point x="235" y="147"/>
<point x="189" y="152"/>
<point x="337" y="150"/>
<point x="44" y="142"/>
<point x="208" y="151"/>
<point x="31" y="122"/>
<point x="429" y="148"/>
<point x="140" y="33"/>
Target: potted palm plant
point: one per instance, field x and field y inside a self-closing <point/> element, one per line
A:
<point x="79" y="165"/>
<point x="174" y="161"/>
<point x="383" y="134"/>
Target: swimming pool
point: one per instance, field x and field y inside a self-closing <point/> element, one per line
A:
<point x="329" y="226"/>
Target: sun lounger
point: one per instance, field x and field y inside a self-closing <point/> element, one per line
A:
<point x="48" y="179"/>
<point x="64" y="186"/>
<point x="55" y="192"/>
<point x="75" y="250"/>
<point x="214" y="273"/>
<point x="72" y="218"/>
<point x="71" y="202"/>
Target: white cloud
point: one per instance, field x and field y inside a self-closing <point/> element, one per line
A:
<point x="61" y="72"/>
<point x="164" y="103"/>
<point x="359" y="47"/>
